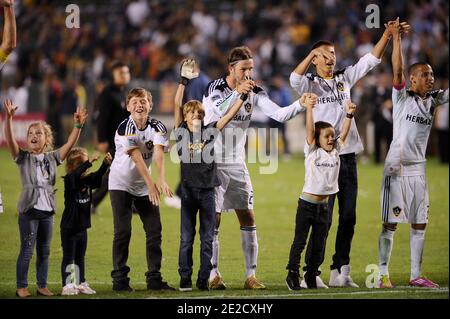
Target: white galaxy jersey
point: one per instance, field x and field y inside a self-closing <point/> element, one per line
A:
<point x="124" y="174"/>
<point x="333" y="94"/>
<point x="412" y="121"/>
<point x="229" y="147"/>
<point x="321" y="169"/>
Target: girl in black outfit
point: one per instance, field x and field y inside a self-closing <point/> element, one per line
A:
<point x="76" y="218"/>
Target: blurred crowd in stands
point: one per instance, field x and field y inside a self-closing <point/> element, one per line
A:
<point x="55" y="68"/>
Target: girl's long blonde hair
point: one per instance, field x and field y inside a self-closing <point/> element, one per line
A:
<point x="48" y="134"/>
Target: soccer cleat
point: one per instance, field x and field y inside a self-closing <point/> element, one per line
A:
<point x="293" y="280"/>
<point x="334" y="278"/>
<point x="385" y="282"/>
<point x="217" y="283"/>
<point x="423" y="282"/>
<point x="84" y="288"/>
<point x="346" y="280"/>
<point x="185" y="284"/>
<point x="253" y="283"/>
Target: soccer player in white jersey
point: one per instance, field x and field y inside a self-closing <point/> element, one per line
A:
<point x="236" y="191"/>
<point x="332" y="88"/>
<point x="138" y="139"/>
<point x="9" y="31"/>
<point x="404" y="194"/>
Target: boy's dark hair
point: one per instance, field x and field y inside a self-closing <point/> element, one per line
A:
<point x="413" y="67"/>
<point x="238" y="54"/>
<point x="318" y="126"/>
<point x="140" y="92"/>
<point x="320" y="43"/>
<point x="117" y="64"/>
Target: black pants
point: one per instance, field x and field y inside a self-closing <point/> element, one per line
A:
<point x="74" y="245"/>
<point x="348" y="191"/>
<point x="100" y="193"/>
<point x="314" y="216"/>
<point x="195" y="200"/>
<point x="121" y="203"/>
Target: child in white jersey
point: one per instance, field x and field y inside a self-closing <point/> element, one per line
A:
<point x="321" y="180"/>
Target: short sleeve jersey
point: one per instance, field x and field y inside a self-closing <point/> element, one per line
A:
<point x="321" y="170"/>
<point x="412" y="121"/>
<point x="124" y="175"/>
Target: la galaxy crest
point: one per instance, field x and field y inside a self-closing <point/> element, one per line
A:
<point x="149" y="145"/>
<point x="397" y="210"/>
<point x="340" y="86"/>
<point x="248" y="107"/>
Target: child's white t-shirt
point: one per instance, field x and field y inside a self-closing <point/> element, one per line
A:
<point x="321" y="169"/>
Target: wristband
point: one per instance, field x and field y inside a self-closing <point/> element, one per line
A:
<point x="184" y="81"/>
<point x="350" y="116"/>
<point x="78" y="125"/>
<point x="244" y="96"/>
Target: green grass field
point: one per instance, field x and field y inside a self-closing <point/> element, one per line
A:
<point x="275" y="206"/>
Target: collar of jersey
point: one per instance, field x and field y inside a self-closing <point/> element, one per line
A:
<point x="137" y="128"/>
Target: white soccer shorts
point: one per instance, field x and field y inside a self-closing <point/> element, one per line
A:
<point x="235" y="190"/>
<point x="404" y="199"/>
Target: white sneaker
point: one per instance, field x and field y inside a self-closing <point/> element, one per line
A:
<point x="334" y="279"/>
<point x="69" y="290"/>
<point x="85" y="289"/>
<point x="346" y="280"/>
<point x="174" y="201"/>
<point x="319" y="283"/>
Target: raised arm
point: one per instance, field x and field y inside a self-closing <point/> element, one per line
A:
<point x="350" y="107"/>
<point x="188" y="71"/>
<point x="303" y="66"/>
<point x="397" y="55"/>
<point x="79" y="117"/>
<point x="9" y="134"/>
<point x="309" y="100"/>
<point x="223" y="121"/>
<point x="9" y="28"/>
<point x="178" y="109"/>
<point x="153" y="193"/>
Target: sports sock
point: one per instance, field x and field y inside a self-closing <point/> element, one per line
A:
<point x="385" y="243"/>
<point x="215" y="255"/>
<point x="416" y="241"/>
<point x="250" y="249"/>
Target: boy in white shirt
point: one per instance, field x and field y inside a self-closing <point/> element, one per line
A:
<point x="321" y="180"/>
<point x="139" y="139"/>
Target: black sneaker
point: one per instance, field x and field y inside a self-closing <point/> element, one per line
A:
<point x="293" y="280"/>
<point x="122" y="286"/>
<point x="158" y="285"/>
<point x="310" y="279"/>
<point x="202" y="284"/>
<point x="185" y="284"/>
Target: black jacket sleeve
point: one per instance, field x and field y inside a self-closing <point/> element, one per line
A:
<point x="73" y="179"/>
<point x="95" y="179"/>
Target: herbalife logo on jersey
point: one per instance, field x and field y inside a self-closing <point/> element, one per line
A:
<point x="418" y="119"/>
<point x="227" y="147"/>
